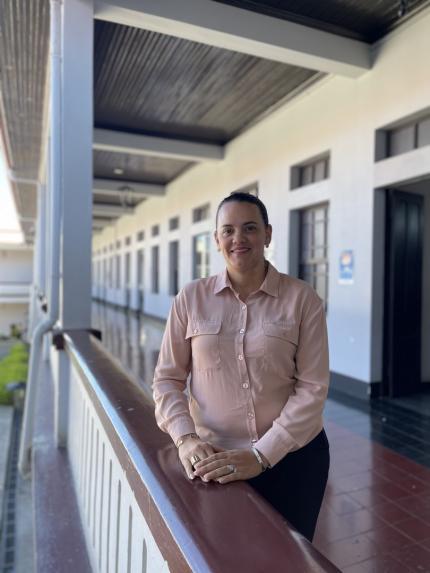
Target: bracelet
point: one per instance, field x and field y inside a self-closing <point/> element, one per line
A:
<point x="184" y="437"/>
<point x="259" y="458"/>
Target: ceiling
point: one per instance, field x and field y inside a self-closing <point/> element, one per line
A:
<point x="154" y="85"/>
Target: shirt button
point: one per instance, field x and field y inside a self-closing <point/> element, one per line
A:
<point x="244" y="307"/>
<point x="254" y="441"/>
<point x="250" y="415"/>
<point x="242" y="330"/>
<point x="245" y="385"/>
<point x="240" y="356"/>
<point x="195" y="331"/>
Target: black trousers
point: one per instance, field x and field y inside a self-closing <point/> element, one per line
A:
<point x="295" y="486"/>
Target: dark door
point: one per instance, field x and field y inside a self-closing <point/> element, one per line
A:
<point x="403" y="286"/>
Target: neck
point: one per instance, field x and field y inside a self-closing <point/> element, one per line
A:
<point x="245" y="282"/>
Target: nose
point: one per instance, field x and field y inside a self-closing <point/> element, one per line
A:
<point x="238" y="236"/>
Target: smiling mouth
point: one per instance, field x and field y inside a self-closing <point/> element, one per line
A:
<point x="241" y="251"/>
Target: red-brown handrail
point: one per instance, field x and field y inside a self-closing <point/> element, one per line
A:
<point x="198" y="527"/>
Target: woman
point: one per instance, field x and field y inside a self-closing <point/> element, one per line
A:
<point x="255" y="343"/>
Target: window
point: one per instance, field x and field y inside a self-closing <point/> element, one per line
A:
<point x="127" y="241"/>
<point x="401" y="139"/>
<point x="127" y="269"/>
<point x="201" y="255"/>
<point x="118" y="244"/>
<point x="173" y="267"/>
<point x="311" y="171"/>
<point x="140" y="262"/>
<point x="409" y="137"/>
<point x="140" y="236"/>
<point x="118" y="271"/>
<point x="155" y="230"/>
<point x="313" y="262"/>
<point x="155" y="265"/>
<point x="173" y="223"/>
<point x="201" y="213"/>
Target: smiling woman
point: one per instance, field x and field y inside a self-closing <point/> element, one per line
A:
<point x="255" y="343"/>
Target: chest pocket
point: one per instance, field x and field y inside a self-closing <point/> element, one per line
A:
<point x="205" y="347"/>
<point x="280" y="346"/>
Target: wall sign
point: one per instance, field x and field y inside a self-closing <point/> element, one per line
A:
<point x="346" y="268"/>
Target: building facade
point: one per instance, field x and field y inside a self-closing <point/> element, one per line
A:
<point x="333" y="166"/>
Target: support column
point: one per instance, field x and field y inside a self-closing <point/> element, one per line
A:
<point x="76" y="226"/>
<point x="77" y="113"/>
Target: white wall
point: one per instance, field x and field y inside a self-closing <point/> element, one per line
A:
<point x="16" y="265"/>
<point x="339" y="115"/>
<point x="12" y="314"/>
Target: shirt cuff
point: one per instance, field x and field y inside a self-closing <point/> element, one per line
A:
<point x="275" y="445"/>
<point x="180" y="427"/>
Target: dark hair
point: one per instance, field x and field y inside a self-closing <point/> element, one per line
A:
<point x="242" y="197"/>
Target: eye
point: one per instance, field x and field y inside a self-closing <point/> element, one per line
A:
<point x="226" y="231"/>
<point x="250" y="228"/>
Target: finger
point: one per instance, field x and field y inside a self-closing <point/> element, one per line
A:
<point x="209" y="451"/>
<point x="204" y="469"/>
<point x="217" y="473"/>
<point x="218" y="448"/>
<point x="210" y="459"/>
<point x="188" y="468"/>
<point x="233" y="476"/>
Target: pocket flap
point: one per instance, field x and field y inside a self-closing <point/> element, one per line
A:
<point x="282" y="330"/>
<point x="199" y="327"/>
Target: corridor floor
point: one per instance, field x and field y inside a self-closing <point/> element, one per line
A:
<point x="376" y="512"/>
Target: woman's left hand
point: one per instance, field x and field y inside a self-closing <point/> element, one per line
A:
<point x="217" y="467"/>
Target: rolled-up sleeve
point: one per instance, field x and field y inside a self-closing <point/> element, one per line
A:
<point x="171" y="373"/>
<point x="301" y="418"/>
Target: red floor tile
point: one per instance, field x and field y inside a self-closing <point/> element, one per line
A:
<point x="351" y="551"/>
<point x="367" y="497"/>
<point x="349" y="524"/>
<point x="390" y="512"/>
<point x="416" y="557"/>
<point x="342" y="503"/>
<point x="388" y="538"/>
<point x="414" y="528"/>
<point x="378" y="564"/>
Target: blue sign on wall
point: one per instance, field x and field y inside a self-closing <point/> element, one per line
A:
<point x="346" y="267"/>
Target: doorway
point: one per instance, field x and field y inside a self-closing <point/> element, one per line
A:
<point x="404" y="237"/>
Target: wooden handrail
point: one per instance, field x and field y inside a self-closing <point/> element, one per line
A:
<point x="198" y="527"/>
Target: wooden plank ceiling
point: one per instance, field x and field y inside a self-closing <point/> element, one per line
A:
<point x="153" y="84"/>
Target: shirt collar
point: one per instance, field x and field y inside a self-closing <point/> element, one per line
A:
<point x="270" y="284"/>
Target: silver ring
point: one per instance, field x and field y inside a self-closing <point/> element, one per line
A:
<point x="232" y="468"/>
<point x="194" y="460"/>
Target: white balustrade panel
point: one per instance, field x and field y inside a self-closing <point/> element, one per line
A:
<point x="117" y="535"/>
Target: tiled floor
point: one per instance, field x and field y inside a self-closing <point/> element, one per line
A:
<point x="376" y="511"/>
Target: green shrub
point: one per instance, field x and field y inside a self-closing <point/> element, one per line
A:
<point x="13" y="368"/>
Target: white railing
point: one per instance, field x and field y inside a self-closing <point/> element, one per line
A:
<point x="118" y="537"/>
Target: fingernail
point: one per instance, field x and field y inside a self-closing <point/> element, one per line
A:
<point x="191" y="476"/>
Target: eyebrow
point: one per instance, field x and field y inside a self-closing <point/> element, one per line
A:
<point x="246" y="223"/>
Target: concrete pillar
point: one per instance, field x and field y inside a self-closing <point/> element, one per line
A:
<point x="77" y="114"/>
<point x="77" y="177"/>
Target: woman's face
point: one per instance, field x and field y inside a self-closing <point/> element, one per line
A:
<point x="241" y="235"/>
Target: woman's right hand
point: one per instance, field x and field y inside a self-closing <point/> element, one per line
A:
<point x="194" y="447"/>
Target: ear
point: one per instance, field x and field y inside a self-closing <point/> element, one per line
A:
<point x="268" y="235"/>
<point x="216" y="240"/>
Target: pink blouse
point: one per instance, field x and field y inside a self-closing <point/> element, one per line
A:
<point x="257" y="372"/>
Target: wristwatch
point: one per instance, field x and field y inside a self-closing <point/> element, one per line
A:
<point x="184" y="437"/>
<point x="260" y="459"/>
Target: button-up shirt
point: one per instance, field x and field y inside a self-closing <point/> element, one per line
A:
<point x="256" y="371"/>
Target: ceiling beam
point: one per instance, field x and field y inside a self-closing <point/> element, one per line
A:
<point x="99" y="223"/>
<point x="242" y="31"/>
<point x="122" y="142"/>
<point x="120" y="188"/>
<point x="107" y="211"/>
